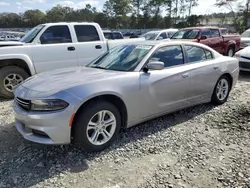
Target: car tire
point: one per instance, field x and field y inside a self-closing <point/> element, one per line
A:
<point x="10" y="77"/>
<point x="221" y="90"/>
<point x="92" y="138"/>
<point x="230" y="51"/>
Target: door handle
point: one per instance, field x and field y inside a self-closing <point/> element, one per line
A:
<point x="216" y="67"/>
<point x="71" y="48"/>
<point x="185" y="75"/>
<point x="98" y="47"/>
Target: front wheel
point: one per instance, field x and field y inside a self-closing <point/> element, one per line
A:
<point x="97" y="126"/>
<point x="221" y="91"/>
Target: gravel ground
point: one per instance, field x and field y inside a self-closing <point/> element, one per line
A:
<point x="203" y="146"/>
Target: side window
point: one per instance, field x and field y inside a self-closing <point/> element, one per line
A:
<point x="86" y="33"/>
<point x="56" y="34"/>
<point x="163" y="35"/>
<point x="108" y="35"/>
<point x="206" y="32"/>
<point x="208" y="54"/>
<point x="169" y="55"/>
<point x="195" y="54"/>
<point x="215" y="33"/>
<point x="118" y="36"/>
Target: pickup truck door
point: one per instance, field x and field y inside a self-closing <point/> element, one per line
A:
<point x="90" y="44"/>
<point x="55" y="51"/>
<point x="216" y="41"/>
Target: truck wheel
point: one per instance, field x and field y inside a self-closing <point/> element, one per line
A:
<point x="10" y="78"/>
<point x="230" y="51"/>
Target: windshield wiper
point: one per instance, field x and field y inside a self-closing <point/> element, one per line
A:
<point x="98" y="67"/>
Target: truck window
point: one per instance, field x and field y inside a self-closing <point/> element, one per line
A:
<point x="55" y="35"/>
<point x="118" y="36"/>
<point x="206" y="32"/>
<point x="108" y="35"/>
<point x="86" y="33"/>
<point x="215" y="33"/>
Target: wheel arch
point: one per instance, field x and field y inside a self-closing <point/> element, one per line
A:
<point x="113" y="99"/>
<point x="19" y="61"/>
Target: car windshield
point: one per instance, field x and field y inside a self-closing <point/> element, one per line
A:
<point x="150" y="35"/>
<point x="31" y="35"/>
<point x="246" y="34"/>
<point x="186" y="34"/>
<point x="122" y="58"/>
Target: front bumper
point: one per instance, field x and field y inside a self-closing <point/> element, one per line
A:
<point x="45" y="128"/>
<point x="244" y="64"/>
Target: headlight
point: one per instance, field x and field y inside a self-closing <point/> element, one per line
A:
<point x="237" y="55"/>
<point x="48" y="105"/>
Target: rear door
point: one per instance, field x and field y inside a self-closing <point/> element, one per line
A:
<point x="55" y="51"/>
<point x="89" y="45"/>
<point x="165" y="90"/>
<point x="205" y="71"/>
<point x="216" y="40"/>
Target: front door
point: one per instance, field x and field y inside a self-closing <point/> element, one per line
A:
<point x="165" y="90"/>
<point x="55" y="51"/>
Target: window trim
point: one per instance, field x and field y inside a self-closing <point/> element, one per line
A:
<point x="187" y="62"/>
<point x="39" y="39"/>
<point x="99" y="38"/>
<point x="165" y="68"/>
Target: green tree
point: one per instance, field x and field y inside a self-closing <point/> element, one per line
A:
<point x="33" y="17"/>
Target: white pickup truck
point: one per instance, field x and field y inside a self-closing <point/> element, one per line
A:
<point x="51" y="46"/>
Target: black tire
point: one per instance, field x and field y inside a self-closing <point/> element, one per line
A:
<point x="215" y="100"/>
<point x="81" y="122"/>
<point x="231" y="48"/>
<point x="4" y="72"/>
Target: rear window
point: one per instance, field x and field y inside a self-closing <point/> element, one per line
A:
<point x="215" y="33"/>
<point x="86" y="33"/>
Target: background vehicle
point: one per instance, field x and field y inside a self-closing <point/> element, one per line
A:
<point x="159" y="35"/>
<point x="131" y="84"/>
<point x="212" y="37"/>
<point x="244" y="59"/>
<point x="51" y="46"/>
<point x="245" y="39"/>
<point x="112" y="35"/>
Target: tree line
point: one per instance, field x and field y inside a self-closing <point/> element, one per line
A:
<point x="129" y="14"/>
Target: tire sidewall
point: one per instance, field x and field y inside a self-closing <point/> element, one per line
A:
<point x="215" y="99"/>
<point x="233" y="52"/>
<point x="82" y="120"/>
<point x="5" y="71"/>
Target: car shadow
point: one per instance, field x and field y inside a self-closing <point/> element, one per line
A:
<point x="244" y="76"/>
<point x="20" y="158"/>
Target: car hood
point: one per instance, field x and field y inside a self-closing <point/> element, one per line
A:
<point x="11" y="43"/>
<point x="62" y="79"/>
<point x="245" y="52"/>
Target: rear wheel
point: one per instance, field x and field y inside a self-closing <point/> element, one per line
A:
<point x="221" y="91"/>
<point x="97" y="126"/>
<point x="10" y="78"/>
<point x="230" y="51"/>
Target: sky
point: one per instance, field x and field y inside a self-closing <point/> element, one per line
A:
<point x="205" y="6"/>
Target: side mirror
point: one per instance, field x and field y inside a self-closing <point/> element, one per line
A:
<point x="159" y="38"/>
<point x="203" y="37"/>
<point x="154" y="65"/>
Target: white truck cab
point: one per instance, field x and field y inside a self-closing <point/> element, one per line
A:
<point x="51" y="46"/>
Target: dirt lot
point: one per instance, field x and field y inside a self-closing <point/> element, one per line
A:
<point x="204" y="146"/>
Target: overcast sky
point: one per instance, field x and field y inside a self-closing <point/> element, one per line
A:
<point x="205" y="6"/>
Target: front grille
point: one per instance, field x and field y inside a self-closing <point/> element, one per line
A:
<point x="24" y="104"/>
<point x="244" y="65"/>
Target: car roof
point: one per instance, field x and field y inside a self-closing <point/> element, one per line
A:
<point x="202" y="27"/>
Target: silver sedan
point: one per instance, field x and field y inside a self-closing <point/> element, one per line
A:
<point x="130" y="84"/>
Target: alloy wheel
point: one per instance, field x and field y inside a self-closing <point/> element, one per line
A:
<point x="101" y="127"/>
<point x="11" y="81"/>
<point x="222" y="89"/>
